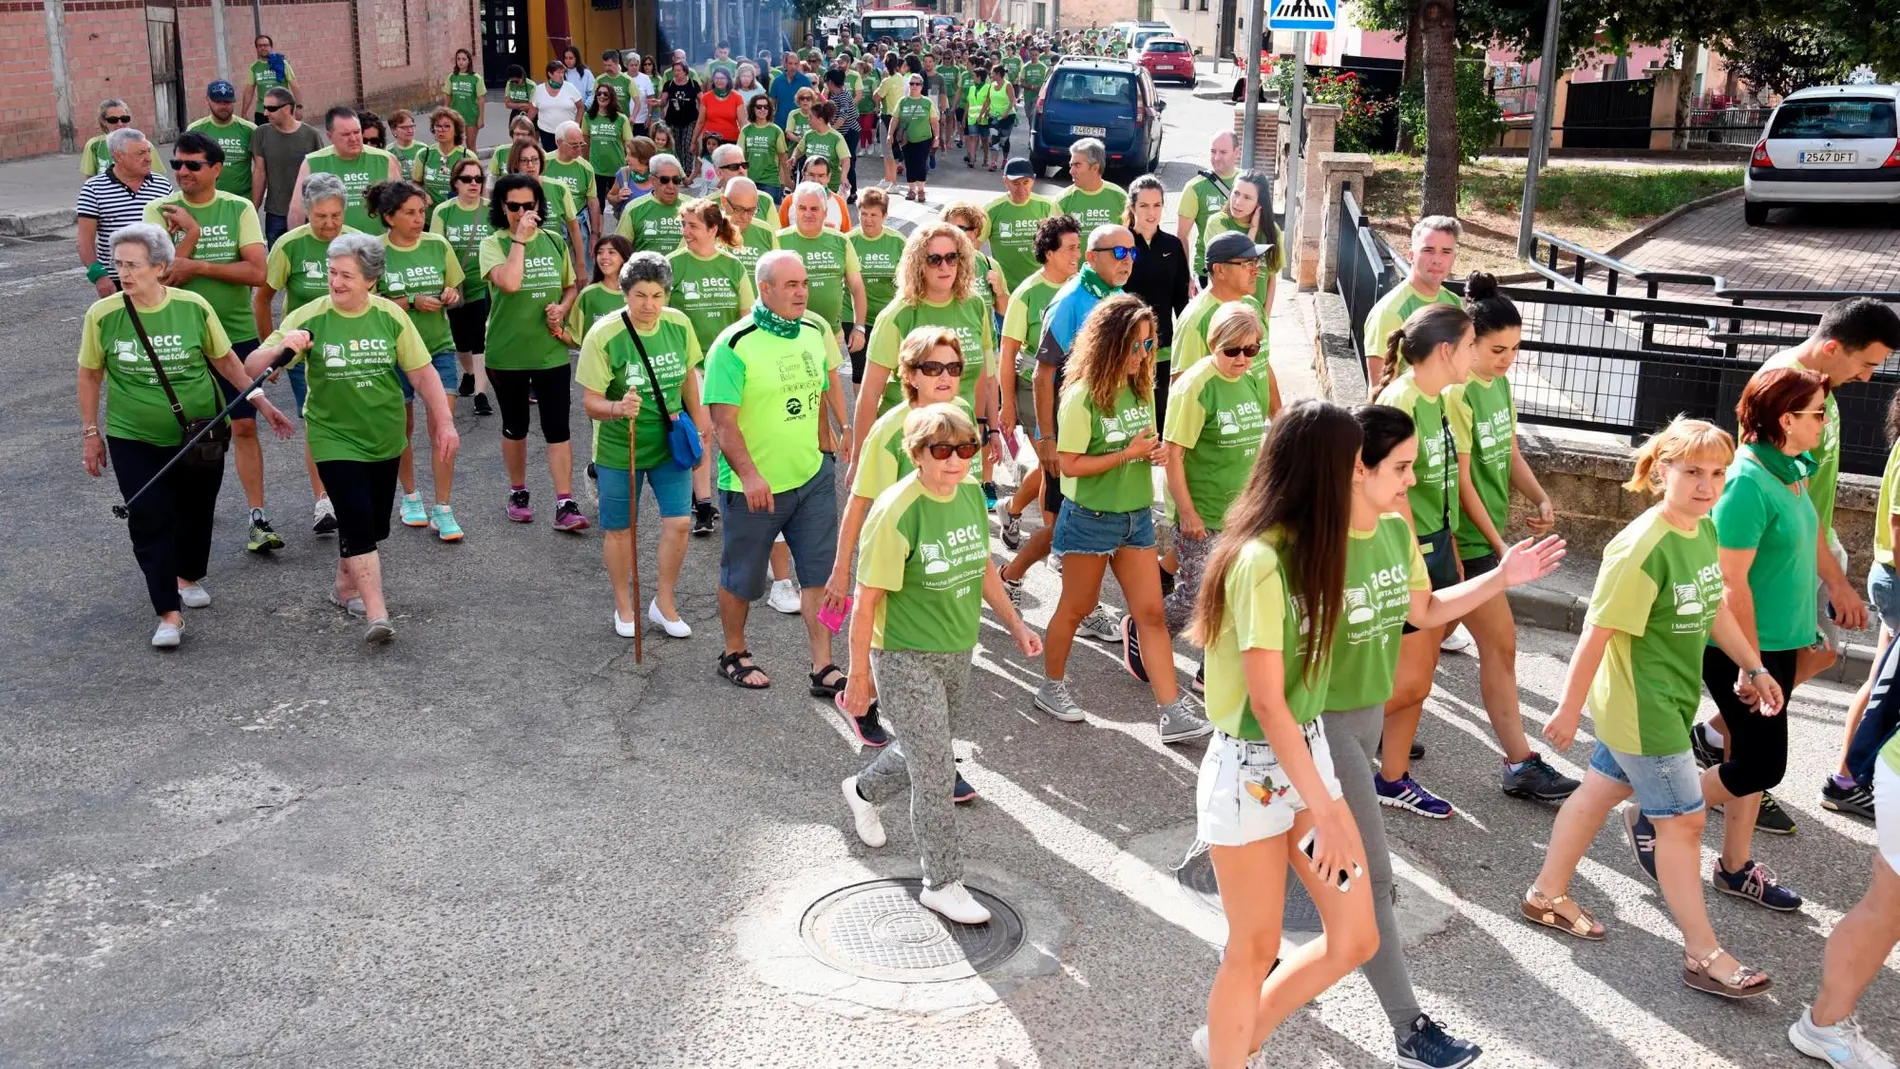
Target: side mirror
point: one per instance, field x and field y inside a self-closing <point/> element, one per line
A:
<point x="1161" y="105"/>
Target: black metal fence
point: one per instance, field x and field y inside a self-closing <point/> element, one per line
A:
<point x="1368" y="267"/>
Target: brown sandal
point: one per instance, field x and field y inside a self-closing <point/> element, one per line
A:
<point x="1745" y="982"/>
<point x="1540" y="910"/>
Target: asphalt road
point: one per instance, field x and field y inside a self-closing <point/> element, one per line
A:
<point x="500" y="842"/>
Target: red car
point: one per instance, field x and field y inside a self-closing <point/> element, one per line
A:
<point x="1168" y="57"/>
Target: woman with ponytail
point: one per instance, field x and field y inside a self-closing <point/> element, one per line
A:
<point x="1484" y="427"/>
<point x="1269" y="607"/>
<point x="1423" y="359"/>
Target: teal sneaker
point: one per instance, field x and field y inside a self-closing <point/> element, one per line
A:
<point x="414" y="512"/>
<point x="442" y="522"/>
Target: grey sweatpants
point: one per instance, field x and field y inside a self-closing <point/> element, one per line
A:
<point x="1354" y="736"/>
<point x="923" y="693"/>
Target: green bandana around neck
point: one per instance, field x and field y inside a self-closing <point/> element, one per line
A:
<point x="1097" y="286"/>
<point x="773" y="323"/>
<point x="1787" y="469"/>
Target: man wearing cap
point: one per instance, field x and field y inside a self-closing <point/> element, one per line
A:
<point x="233" y="135"/>
<point x="1205" y="197"/>
<point x="1014" y="218"/>
<point x="1234" y="264"/>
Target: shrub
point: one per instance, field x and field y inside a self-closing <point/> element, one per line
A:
<point x="1480" y="116"/>
<point x="1360" y="111"/>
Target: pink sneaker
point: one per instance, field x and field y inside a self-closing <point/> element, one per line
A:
<point x="567" y="516"/>
<point x="518" y="509"/>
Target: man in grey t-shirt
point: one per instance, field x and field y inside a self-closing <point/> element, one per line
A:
<point x="277" y="151"/>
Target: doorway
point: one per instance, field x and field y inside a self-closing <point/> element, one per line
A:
<point x="168" y="77"/>
<point x="504" y="39"/>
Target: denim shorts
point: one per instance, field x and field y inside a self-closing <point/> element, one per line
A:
<point x="1026" y="406"/>
<point x="1887" y="800"/>
<point x="1665" y="786"/>
<point x="806" y="515"/>
<point x="1884" y="591"/>
<point x="1099" y="534"/>
<point x="446" y="369"/>
<point x="1228" y="814"/>
<point x="672" y="488"/>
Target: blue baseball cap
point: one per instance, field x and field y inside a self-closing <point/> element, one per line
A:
<point x="221" y="90"/>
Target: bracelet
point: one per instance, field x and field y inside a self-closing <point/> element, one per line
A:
<point x="1750" y="673"/>
<point x="95" y="271"/>
<point x="90" y="432"/>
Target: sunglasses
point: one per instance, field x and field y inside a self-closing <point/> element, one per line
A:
<point x="376" y="141"/>
<point x="1244" y="352"/>
<point x="742" y="166"/>
<point x="942" y="450"/>
<point x="1146" y="345"/>
<point x="194" y="166"/>
<point x="934" y="368"/>
<point x="517" y="206"/>
<point x="942" y="259"/>
<point x="670" y="179"/>
<point x="1122" y="252"/>
<point x="268" y="109"/>
<point x="967" y="229"/>
<point x="118" y="120"/>
<point x="468" y="179"/>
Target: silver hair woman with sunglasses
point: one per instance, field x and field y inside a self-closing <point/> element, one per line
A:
<point x="925" y="550"/>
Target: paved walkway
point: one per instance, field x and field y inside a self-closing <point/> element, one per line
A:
<point x="1801" y="248"/>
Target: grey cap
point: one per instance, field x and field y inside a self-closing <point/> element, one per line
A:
<point x="1234" y="246"/>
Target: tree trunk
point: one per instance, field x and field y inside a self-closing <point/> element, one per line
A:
<point x="1439" y="195"/>
<point x="1685" y="92"/>
<point x="1414" y="72"/>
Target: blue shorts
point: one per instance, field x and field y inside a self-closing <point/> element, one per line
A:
<point x="227" y="392"/>
<point x="806" y="515"/>
<point x="1665" y="786"/>
<point x="671" y="484"/>
<point x="446" y="369"/>
<point x="1883" y="589"/>
<point x="1099" y="534"/>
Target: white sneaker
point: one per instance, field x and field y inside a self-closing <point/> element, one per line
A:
<point x="864" y="816"/>
<point x="194" y="596"/>
<point x="1200" y="1045"/>
<point x="1102" y="625"/>
<point x="167" y="636"/>
<point x="323" y="520"/>
<point x="1840" y="1045"/>
<point x="784" y="597"/>
<point x="1457" y="640"/>
<point x="624" y="628"/>
<point x="952" y="901"/>
<point x="675" y="628"/>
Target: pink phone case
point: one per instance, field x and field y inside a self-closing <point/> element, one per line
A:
<point x="833" y="619"/>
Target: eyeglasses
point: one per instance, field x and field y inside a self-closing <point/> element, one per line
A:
<point x="670" y="179"/>
<point x="1244" y="265"/>
<point x="742" y="209"/>
<point x="1810" y="412"/>
<point x="1243" y="352"/>
<point x="268" y="109"/>
<point x="1146" y="345"/>
<point x="1122" y="252"/>
<point x="517" y="206"/>
<point x="118" y="120"/>
<point x="942" y="259"/>
<point x="934" y="368"/>
<point x="740" y="166"/>
<point x="194" y="166"/>
<point x="468" y="179"/>
<point x="942" y="450"/>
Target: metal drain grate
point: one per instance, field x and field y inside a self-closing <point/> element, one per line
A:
<point x="1197" y="875"/>
<point x="879" y="931"/>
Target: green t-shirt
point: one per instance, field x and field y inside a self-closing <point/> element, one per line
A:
<point x="831" y="148"/>
<point x="373" y="165"/>
<point x="1012" y="69"/>
<point x="778" y="387"/>
<point x="877" y="265"/>
<point x="1383" y="569"/>
<point x="465" y="92"/>
<point x="955" y="78"/>
<point x="969" y="319"/>
<point x="1080" y="428"/>
<point x="1824" y="484"/>
<point x="1035" y="72"/>
<point x="235" y="139"/>
<point x="882" y="459"/>
<point x="424" y="269"/>
<point x="94" y="158"/>
<point x="914" y="114"/>
<point x="714" y="292"/>
<point x="607" y="142"/>
<point x="465" y="229"/>
<point x="1218" y="423"/>
<point x="762" y="142"/>
<point x="1101" y="208"/>
<point x="928" y="554"/>
<point x="432" y="170"/>
<point x="1190" y="334"/>
<point x="1203" y="201"/>
<point x="561" y="208"/>
<point x="1756" y="511"/>
<point x="185" y="333"/>
<point x="266" y="79"/>
<point x="406" y="156"/>
<point x="755" y="241"/>
<point x="980" y="287"/>
<point x="1434" y="496"/>
<point x="829" y="260"/>
<point x="592" y="304"/>
<point x="1023" y="321"/>
<point x="226" y="226"/>
<point x="518" y="335"/>
<point x="610" y="365"/>
<point x="1012" y="235"/>
<point x="299" y="267"/>
<point x="577" y="176"/>
<point x="354" y="410"/>
<point x="623" y="95"/>
<point x="651" y="225"/>
<point x="1885" y="506"/>
<point x="1270" y="265"/>
<point x="1261" y="614"/>
<point x="517" y="91"/>
<point x="1391" y="311"/>
<point x="795" y="125"/>
<point x="1484" y="425"/>
<point x="1658" y="591"/>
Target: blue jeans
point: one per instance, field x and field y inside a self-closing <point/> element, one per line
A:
<point x="275" y="226"/>
<point x="1884" y="591"/>
<point x="1666" y="786"/>
<point x="1099" y="534"/>
<point x="671" y="484"/>
<point x="446" y="369"/>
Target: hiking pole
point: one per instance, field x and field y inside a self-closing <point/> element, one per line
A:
<point x="256" y="388"/>
<point x="633" y="548"/>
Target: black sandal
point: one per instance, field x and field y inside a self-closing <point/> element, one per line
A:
<point x="739" y="675"/>
<point x="822" y="689"/>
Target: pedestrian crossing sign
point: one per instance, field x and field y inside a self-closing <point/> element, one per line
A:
<point x="1303" y="15"/>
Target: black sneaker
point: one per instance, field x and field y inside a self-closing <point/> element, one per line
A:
<point x="1855" y="801"/>
<point x="1429" y="1046"/>
<point x="467" y="386"/>
<point x="1537" y="781"/>
<point x="1771" y="818"/>
<point x="962" y="792"/>
<point x="868" y="729"/>
<point x="482" y="407"/>
<point x="1131" y="649"/>
<point x="1642" y="836"/>
<point x="705" y="517"/>
<point x="1199" y="686"/>
<point x="1707" y="754"/>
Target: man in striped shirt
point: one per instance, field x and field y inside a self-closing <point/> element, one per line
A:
<point x="846" y="123"/>
<point x="113" y="198"/>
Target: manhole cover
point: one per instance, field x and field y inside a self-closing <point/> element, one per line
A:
<point x="878" y="930"/>
<point x="1197" y="875"/>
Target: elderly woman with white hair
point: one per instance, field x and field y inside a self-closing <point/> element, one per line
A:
<point x="352" y="343"/>
<point x="146" y="345"/>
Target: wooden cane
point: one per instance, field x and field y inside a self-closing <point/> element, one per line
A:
<point x="633" y="536"/>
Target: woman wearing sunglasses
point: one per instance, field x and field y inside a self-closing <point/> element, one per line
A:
<point x="923" y="555"/>
<point x="765" y="149"/>
<point x="1106" y="452"/>
<point x="608" y="133"/>
<point x="114" y="114"/>
<point x="915" y="127"/>
<point x="464" y="222"/>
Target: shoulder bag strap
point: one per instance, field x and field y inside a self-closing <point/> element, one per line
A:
<point x="178" y="410"/>
<point x="658" y="398"/>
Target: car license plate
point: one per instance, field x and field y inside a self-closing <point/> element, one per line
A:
<point x="1829" y="157"/>
<point x="1091" y="131"/>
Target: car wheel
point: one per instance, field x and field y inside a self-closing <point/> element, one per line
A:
<point x="1754" y="213"/>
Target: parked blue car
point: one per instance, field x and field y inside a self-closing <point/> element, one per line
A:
<point x="1110" y="99"/>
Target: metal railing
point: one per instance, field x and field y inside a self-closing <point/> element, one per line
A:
<point x="1368" y="267"/>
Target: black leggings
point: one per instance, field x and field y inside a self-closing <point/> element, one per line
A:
<point x="1161" y="395"/>
<point x="363" y="492"/>
<point x="171" y="524"/>
<point x="550" y="386"/>
<point x="1757" y="744"/>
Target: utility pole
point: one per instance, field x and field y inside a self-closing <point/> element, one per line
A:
<point x="257" y="19"/>
<point x="217" y="34"/>
<point x="1296" y="117"/>
<point x="1540" y="130"/>
<point x="1249" y="136"/>
<point x="56" y="61"/>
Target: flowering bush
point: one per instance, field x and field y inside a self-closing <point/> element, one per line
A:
<point x="1360" y="112"/>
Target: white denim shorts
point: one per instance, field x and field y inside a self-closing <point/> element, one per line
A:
<point x="1887" y="804"/>
<point x="1243" y="796"/>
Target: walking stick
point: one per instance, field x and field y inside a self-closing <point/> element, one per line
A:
<point x="256" y="387"/>
<point x="633" y="536"/>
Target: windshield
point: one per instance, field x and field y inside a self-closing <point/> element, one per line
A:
<point x="1167" y="46"/>
<point x="1093" y="87"/>
<point x="1834" y="119"/>
<point x="896" y="27"/>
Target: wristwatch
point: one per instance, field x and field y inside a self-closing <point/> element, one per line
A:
<point x="1750" y="673"/>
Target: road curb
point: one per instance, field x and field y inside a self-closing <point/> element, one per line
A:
<point x="1648" y="230"/>
<point x="30" y="224"/>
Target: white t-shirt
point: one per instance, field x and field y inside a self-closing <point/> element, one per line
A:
<point x="642" y="89"/>
<point x="552" y="109"/>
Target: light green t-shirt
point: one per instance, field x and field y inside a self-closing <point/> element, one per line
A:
<point x="1383" y="570"/>
<point x="1023" y="321"/>
<point x="651" y="225"/>
<point x="1886" y="506"/>
<point x="1203" y="200"/>
<point x="1190" y="334"/>
<point x="1261" y="614"/>
<point x="623" y="94"/>
<point x="1103" y="207"/>
<point x="424" y="269"/>
<point x="266" y="79"/>
<point x="465" y="92"/>
<point x="406" y="155"/>
<point x="1824" y="484"/>
<point x="778" y="387"/>
<point x="1391" y="311"/>
<point x="1434" y="497"/>
<point x="595" y="302"/>
<point x="1218" y="422"/>
<point x="877" y="265"/>
<point x="226" y="226"/>
<point x="929" y="555"/>
<point x="607" y="142"/>
<point x="1483" y="425"/>
<point x="829" y="260"/>
<point x="762" y="142"/>
<point x="969" y="319"/>
<point x="465" y="229"/>
<point x="714" y="292"/>
<point x="432" y="171"/>
<point x="518" y="335"/>
<point x="299" y="266"/>
<point x="1756" y="511"/>
<point x="882" y="459"/>
<point x="1012" y="235"/>
<point x="830" y="147"/>
<point x="185" y="333"/>
<point x="94" y="158"/>
<point x="610" y="365"/>
<point x="577" y="175"/>
<point x="354" y="410"/>
<point x="373" y="165"/>
<point x="914" y="114"/>
<point x="235" y="139"/>
<point x="1081" y="428"/>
